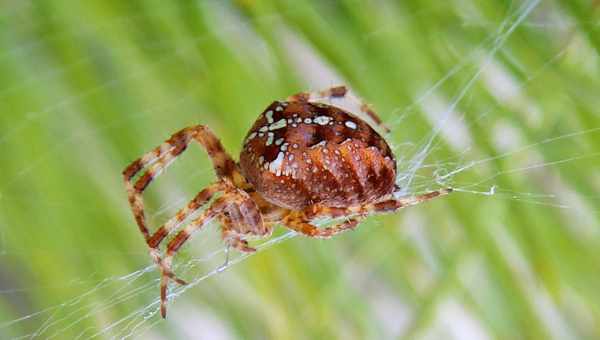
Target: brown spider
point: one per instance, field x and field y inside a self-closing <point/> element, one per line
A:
<point x="303" y="159"/>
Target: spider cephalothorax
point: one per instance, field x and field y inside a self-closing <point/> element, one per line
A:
<point x="304" y="158"/>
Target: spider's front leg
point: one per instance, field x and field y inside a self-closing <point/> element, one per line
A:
<point x="180" y="238"/>
<point x="233" y="199"/>
<point x="157" y="160"/>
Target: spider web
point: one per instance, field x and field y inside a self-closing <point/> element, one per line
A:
<point x="134" y="294"/>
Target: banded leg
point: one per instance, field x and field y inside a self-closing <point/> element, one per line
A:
<point x="235" y="198"/>
<point x="165" y="264"/>
<point x="342" y="97"/>
<point x="384" y="206"/>
<point x="231" y="198"/>
<point x="301" y="225"/>
<point x="192" y="207"/>
<point x="159" y="159"/>
<point x="391" y="205"/>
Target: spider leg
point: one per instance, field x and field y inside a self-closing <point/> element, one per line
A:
<point x="342" y="97"/>
<point x="159" y="159"/>
<point x="391" y="205"/>
<point x="386" y="205"/>
<point x="234" y="197"/>
<point x="193" y="206"/>
<point x="165" y="264"/>
<point x="298" y="222"/>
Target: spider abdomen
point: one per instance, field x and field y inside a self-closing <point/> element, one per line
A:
<point x="300" y="153"/>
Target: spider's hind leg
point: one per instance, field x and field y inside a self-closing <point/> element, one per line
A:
<point x="393" y="204"/>
<point x="300" y="222"/>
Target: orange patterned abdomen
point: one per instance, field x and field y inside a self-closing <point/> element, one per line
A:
<point x="298" y="154"/>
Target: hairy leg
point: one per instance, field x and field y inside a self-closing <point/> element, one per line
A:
<point x="391" y="205"/>
<point x="192" y="207"/>
<point x="165" y="264"/>
<point x="159" y="159"/>
<point x="386" y="205"/>
<point x="298" y="222"/>
<point x="233" y="198"/>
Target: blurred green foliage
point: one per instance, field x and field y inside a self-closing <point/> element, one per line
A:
<point x="86" y="87"/>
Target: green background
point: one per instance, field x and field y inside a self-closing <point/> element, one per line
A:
<point x="507" y="92"/>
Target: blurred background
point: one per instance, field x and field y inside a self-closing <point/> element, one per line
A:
<point x="499" y="99"/>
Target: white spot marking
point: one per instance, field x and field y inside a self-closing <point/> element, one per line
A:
<point x="275" y="165"/>
<point x="269" y="116"/>
<point x="307" y="121"/>
<point x="264" y="129"/>
<point x="270" y="138"/>
<point x="322" y="120"/>
<point x="279" y="108"/>
<point x="279" y="141"/>
<point x="278" y="124"/>
<point x="350" y="124"/>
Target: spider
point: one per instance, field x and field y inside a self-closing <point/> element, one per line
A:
<point x="303" y="159"/>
